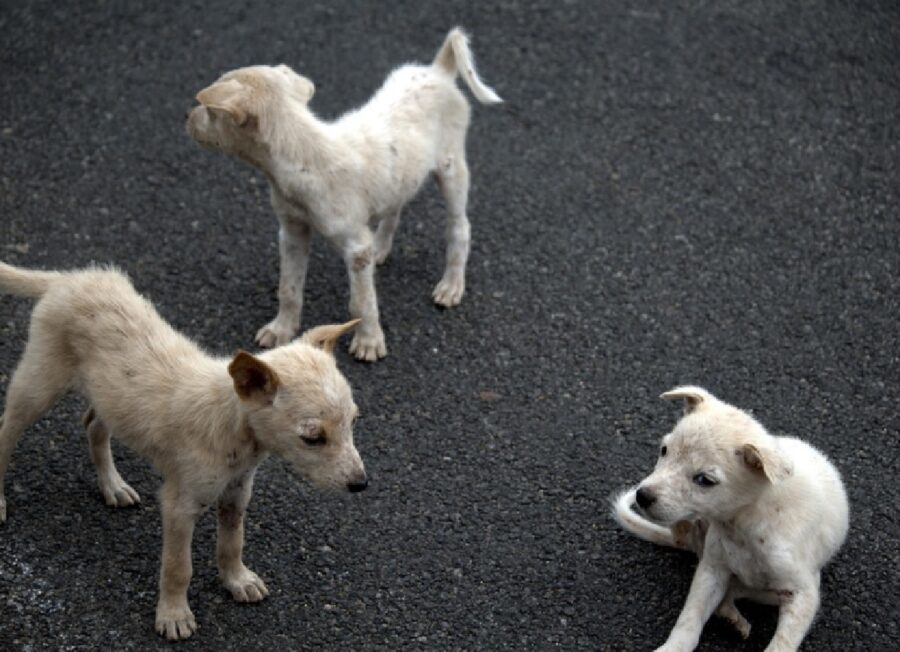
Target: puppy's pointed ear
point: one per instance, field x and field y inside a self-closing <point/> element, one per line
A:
<point x="326" y="336"/>
<point x="254" y="380"/>
<point x="694" y="397"/>
<point x="230" y="98"/>
<point x="766" y="462"/>
<point x="303" y="88"/>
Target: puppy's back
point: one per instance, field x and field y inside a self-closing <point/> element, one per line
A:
<point x="817" y="492"/>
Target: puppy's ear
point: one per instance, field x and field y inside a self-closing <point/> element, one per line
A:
<point x="693" y="397"/>
<point x="254" y="380"/>
<point x="766" y="462"/>
<point x="303" y="88"/>
<point x="325" y="337"/>
<point x="229" y="97"/>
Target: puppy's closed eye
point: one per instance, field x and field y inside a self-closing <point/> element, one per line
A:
<point x="317" y="439"/>
<point x="313" y="434"/>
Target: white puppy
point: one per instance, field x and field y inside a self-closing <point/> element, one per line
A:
<point x="338" y="178"/>
<point x="206" y="423"/>
<point x="764" y="514"/>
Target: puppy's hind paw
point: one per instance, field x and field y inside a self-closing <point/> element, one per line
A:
<point x="118" y="493"/>
<point x="274" y="334"/>
<point x="175" y="623"/>
<point x="381" y="254"/>
<point x="245" y="586"/>
<point x="449" y="293"/>
<point x="730" y="612"/>
<point x="368" y="348"/>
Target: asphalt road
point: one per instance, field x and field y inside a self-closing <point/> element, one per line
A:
<point x="673" y="192"/>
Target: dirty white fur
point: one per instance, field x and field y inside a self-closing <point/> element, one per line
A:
<point x="206" y="423"/>
<point x="776" y="513"/>
<point x="340" y="178"/>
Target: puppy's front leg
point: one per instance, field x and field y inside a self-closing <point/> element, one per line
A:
<point x="707" y="590"/>
<point x="174" y="618"/>
<point x="368" y="341"/>
<point x="798" y="608"/>
<point x="293" y="246"/>
<point x="244" y="584"/>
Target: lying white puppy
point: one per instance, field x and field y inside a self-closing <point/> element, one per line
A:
<point x="764" y="514"/>
<point x="339" y="178"/>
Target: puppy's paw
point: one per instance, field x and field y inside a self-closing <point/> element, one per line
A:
<point x="368" y="347"/>
<point x="118" y="493"/>
<point x="275" y="333"/>
<point x="449" y="292"/>
<point x="731" y="613"/>
<point x="381" y="253"/>
<point x="245" y="586"/>
<point x="175" y="623"/>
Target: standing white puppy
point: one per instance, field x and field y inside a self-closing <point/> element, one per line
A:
<point x="764" y="514"/>
<point x="338" y="178"/>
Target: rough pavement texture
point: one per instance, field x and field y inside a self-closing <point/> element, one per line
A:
<point x="673" y="192"/>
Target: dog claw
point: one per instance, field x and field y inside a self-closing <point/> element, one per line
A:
<point x="274" y="334"/>
<point x="117" y="493"/>
<point x="246" y="586"/>
<point x="381" y="255"/>
<point x="175" y="624"/>
<point x="368" y="348"/>
<point x="449" y="293"/>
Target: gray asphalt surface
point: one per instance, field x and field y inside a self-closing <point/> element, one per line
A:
<point x="673" y="192"/>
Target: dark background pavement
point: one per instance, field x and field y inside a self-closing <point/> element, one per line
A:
<point x="674" y="192"/>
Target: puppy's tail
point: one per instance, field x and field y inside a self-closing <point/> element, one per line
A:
<point x="456" y="57"/>
<point x="638" y="525"/>
<point x="25" y="282"/>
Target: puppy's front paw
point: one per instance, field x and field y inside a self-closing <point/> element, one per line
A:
<point x="449" y="292"/>
<point x="117" y="493"/>
<point x="275" y="333"/>
<point x="245" y="586"/>
<point x="368" y="347"/>
<point x="175" y="623"/>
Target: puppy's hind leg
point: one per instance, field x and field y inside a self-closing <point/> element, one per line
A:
<point x="116" y="492"/>
<point x="729" y="611"/>
<point x="42" y="377"/>
<point x="453" y="178"/>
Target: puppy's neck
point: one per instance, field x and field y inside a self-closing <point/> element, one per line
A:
<point x="297" y="139"/>
<point x="219" y="413"/>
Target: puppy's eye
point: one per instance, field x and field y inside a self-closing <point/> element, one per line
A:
<point x="704" y="480"/>
<point x="663" y="451"/>
<point x="314" y="440"/>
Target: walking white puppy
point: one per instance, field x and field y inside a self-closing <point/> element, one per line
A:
<point x="205" y="423"/>
<point x="763" y="513"/>
<point x="340" y="178"/>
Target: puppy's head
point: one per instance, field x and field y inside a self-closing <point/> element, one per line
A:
<point x="717" y="460"/>
<point x="239" y="114"/>
<point x="300" y="407"/>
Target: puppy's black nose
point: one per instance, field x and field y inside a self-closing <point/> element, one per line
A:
<point x="645" y="498"/>
<point x="355" y="486"/>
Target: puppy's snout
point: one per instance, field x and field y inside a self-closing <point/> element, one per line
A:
<point x="645" y="498"/>
<point x="358" y="484"/>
